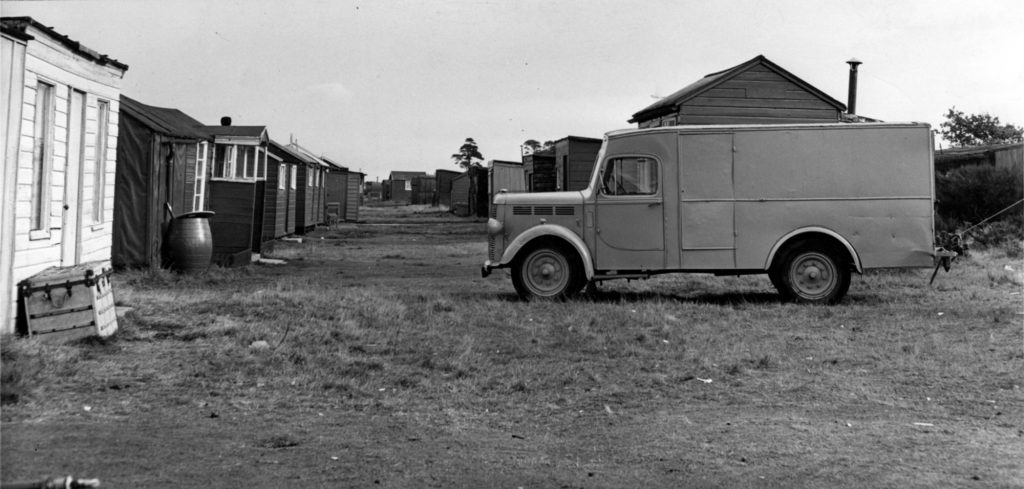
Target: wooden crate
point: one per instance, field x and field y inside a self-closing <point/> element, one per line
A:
<point x="63" y="303"/>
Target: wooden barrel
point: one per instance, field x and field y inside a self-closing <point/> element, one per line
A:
<point x="190" y="242"/>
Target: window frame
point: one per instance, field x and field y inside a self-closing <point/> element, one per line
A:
<point x="99" y="192"/>
<point x="603" y="176"/>
<point x="44" y="127"/>
<point x="199" y="190"/>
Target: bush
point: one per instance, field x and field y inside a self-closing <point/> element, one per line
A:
<point x="968" y="195"/>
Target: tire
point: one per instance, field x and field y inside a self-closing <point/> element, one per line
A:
<point x="812" y="273"/>
<point x="547" y="272"/>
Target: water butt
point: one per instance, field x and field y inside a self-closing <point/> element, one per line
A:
<point x="190" y="242"/>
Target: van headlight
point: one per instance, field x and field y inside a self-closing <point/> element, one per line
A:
<point x="494" y="227"/>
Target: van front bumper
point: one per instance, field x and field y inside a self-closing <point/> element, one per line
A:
<point x="485" y="271"/>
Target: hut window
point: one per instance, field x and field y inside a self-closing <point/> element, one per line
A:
<point x="200" y="189"/>
<point x="242" y="163"/>
<point x="261" y="164"/>
<point x="42" y="155"/>
<point x="99" y="180"/>
<point x="281" y="176"/>
<point x="224" y="161"/>
<point x="295" y="176"/>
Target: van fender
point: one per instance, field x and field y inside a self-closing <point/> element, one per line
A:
<point x="542" y="230"/>
<point x="783" y="241"/>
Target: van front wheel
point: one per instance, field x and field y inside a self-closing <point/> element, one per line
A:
<point x="547" y="272"/>
<point x="815" y="275"/>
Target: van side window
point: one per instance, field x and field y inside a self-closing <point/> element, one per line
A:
<point x="630" y="176"/>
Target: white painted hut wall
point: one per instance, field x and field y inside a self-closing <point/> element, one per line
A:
<point x="49" y="61"/>
<point x="12" y="84"/>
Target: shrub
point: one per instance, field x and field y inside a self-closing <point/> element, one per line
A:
<point x="968" y="195"/>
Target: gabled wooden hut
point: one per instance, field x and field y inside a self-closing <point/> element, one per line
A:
<point x="470" y="195"/>
<point x="310" y="196"/>
<point x="443" y="183"/>
<point x="162" y="157"/>
<point x="757" y="91"/>
<point x="283" y="186"/>
<point x="539" y="171"/>
<point x="400" y="186"/>
<point x="237" y="189"/>
<point x="574" y="161"/>
<point x="60" y="109"/>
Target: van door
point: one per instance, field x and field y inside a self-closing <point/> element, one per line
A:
<point x="706" y="202"/>
<point x="629" y="215"/>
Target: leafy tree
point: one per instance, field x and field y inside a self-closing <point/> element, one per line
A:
<point x="468" y="152"/>
<point x="974" y="129"/>
<point x="531" y="146"/>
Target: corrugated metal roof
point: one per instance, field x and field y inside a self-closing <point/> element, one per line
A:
<point x="668" y="104"/>
<point x="18" y="26"/>
<point x="169" y="122"/>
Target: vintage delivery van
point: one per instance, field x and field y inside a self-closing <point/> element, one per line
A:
<point x="807" y="204"/>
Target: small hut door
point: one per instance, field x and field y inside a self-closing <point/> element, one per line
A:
<point x="71" y="239"/>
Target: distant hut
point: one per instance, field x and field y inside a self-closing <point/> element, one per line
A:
<point x="373" y="190"/>
<point x="470" y="196"/>
<point x="237" y="189"/>
<point x="443" y="184"/>
<point x="162" y="157"/>
<point x="757" y="91"/>
<point x="574" y="161"/>
<point x="335" y="190"/>
<point x="505" y="175"/>
<point x="1010" y="155"/>
<point x="423" y="190"/>
<point x="354" y="196"/>
<point x="310" y="195"/>
<point x="60" y="110"/>
<point x="539" y="171"/>
<point x="400" y="185"/>
<point x="282" y="189"/>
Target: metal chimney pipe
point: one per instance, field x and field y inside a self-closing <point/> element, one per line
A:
<point x="851" y="97"/>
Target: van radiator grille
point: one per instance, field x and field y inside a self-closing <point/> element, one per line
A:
<point x="490" y="248"/>
<point x="525" y="210"/>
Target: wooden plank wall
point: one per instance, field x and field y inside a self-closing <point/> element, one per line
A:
<point x="233" y="202"/>
<point x="352" y="197"/>
<point x="756" y="96"/>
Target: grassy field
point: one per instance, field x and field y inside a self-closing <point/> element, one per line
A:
<point x="378" y="357"/>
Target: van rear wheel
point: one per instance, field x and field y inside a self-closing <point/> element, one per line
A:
<point x="547" y="272"/>
<point x="813" y="274"/>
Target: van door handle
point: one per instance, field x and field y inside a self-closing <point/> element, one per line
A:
<point x="654" y="204"/>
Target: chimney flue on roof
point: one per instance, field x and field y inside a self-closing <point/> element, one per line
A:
<point x="851" y="98"/>
<point x="225" y="121"/>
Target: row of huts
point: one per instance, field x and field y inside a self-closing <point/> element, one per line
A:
<point x="565" y="165"/>
<point x="93" y="175"/>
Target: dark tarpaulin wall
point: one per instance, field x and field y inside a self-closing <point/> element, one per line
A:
<point x="132" y="183"/>
<point x="151" y="172"/>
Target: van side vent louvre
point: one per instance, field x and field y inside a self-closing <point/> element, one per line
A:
<point x="521" y="210"/>
<point x="564" y="210"/>
<point x="542" y="211"/>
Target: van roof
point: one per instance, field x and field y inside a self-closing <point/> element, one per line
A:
<point x="761" y="127"/>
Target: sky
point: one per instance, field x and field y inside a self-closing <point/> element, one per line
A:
<point x="389" y="85"/>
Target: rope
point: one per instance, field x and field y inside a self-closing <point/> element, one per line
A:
<point x="990" y="217"/>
